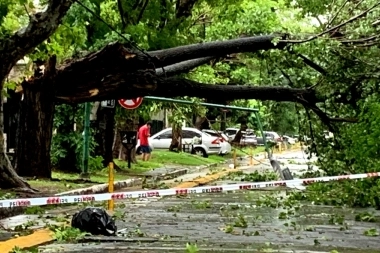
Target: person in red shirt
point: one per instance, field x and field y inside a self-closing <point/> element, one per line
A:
<point x="144" y="134"/>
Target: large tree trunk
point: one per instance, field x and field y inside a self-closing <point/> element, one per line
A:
<point x="8" y="177"/>
<point x="13" y="48"/>
<point x="176" y="138"/>
<point x="36" y="125"/>
<point x="199" y="121"/>
<point x="130" y="125"/>
<point x="243" y="127"/>
<point x="105" y="136"/>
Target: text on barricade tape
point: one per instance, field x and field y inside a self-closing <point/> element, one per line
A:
<point x="172" y="192"/>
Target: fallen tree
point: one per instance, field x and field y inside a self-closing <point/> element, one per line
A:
<point x="118" y="71"/>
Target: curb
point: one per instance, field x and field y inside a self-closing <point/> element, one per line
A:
<point x="103" y="188"/>
<point x="260" y="157"/>
<point x="37" y="238"/>
<point x="211" y="178"/>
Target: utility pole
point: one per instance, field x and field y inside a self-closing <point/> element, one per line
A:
<point x="86" y="141"/>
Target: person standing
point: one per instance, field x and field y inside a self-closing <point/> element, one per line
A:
<point x="144" y="134"/>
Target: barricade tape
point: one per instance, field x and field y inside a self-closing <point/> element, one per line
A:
<point x="172" y="192"/>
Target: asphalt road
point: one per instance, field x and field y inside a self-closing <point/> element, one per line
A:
<point x="249" y="221"/>
<point x="232" y="222"/>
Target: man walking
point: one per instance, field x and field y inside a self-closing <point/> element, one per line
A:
<point x="144" y="133"/>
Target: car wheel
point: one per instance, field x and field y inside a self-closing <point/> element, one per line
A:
<point x="200" y="151"/>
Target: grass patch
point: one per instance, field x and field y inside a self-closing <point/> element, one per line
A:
<point x="67" y="181"/>
<point x="164" y="158"/>
<point x="159" y="159"/>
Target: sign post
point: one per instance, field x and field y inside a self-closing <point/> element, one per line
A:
<point x="86" y="138"/>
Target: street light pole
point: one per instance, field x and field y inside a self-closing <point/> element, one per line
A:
<point x="86" y="141"/>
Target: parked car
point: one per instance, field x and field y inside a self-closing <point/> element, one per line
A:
<point x="249" y="140"/>
<point x="289" y="139"/>
<point x="216" y="133"/>
<point x="270" y="137"/>
<point x="231" y="133"/>
<point x="207" y="144"/>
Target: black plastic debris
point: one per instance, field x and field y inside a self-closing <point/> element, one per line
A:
<point x="95" y="221"/>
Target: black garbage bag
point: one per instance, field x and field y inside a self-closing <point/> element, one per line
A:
<point x="95" y="221"/>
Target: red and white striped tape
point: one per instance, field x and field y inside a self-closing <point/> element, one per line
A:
<point x="172" y="192"/>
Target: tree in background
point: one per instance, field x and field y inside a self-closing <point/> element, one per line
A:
<point x="326" y="67"/>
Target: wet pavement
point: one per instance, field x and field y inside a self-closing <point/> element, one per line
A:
<point x="234" y="222"/>
<point x="239" y="221"/>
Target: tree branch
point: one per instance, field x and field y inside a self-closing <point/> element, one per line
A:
<point x="182" y="67"/>
<point x="362" y="40"/>
<point x="175" y="87"/>
<point x="311" y="64"/>
<point x="121" y="13"/>
<point x="40" y="27"/>
<point x="165" y="57"/>
<point x="337" y="13"/>
<point x="141" y="13"/>
<point x="360" y="15"/>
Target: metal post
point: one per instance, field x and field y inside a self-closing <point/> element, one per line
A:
<point x="235" y="163"/>
<point x="262" y="133"/>
<point x="110" y="185"/>
<point x="250" y="156"/>
<point x="86" y="137"/>
<point x="178" y="101"/>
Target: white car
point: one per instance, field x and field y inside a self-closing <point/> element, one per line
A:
<point x="231" y="132"/>
<point x="249" y="140"/>
<point x="207" y="144"/>
<point x="289" y="139"/>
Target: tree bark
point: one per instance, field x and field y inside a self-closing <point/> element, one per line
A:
<point x="182" y="67"/>
<point x="130" y="125"/>
<point x="116" y="72"/>
<point x="109" y="120"/>
<point x="176" y="138"/>
<point x="15" y="47"/>
<point x="8" y="177"/>
<point x="199" y="122"/>
<point x="40" y="27"/>
<point x="36" y="126"/>
<point x="165" y="57"/>
<point x="243" y="127"/>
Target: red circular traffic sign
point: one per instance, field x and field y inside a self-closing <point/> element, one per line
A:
<point x="131" y="103"/>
